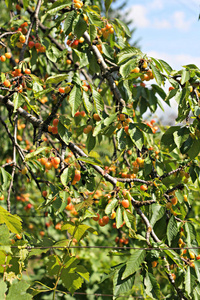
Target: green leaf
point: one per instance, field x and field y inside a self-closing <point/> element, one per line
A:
<point x="185" y="76"/>
<point x="53" y="265"/>
<point x="18" y="288"/>
<point x="174" y="256"/>
<point x="172" y="229"/>
<point x="95" y="19"/>
<point x="68" y="21"/>
<point x="67" y="176"/>
<point x="165" y="66"/>
<point x="90" y="142"/>
<point x="124" y="27"/>
<point x="98" y="101"/>
<point x="110" y="206"/>
<point x="107" y="4"/>
<point x="122" y="286"/>
<point x="126" y="53"/>
<point x="168" y="137"/>
<point x="195" y="149"/>
<point x="90" y="160"/>
<point x="158" y="76"/>
<point x="6" y="178"/>
<point x="152" y="286"/>
<point x="56" y="78"/>
<point x="75" y="99"/>
<point x="129" y="219"/>
<point x="44" y="92"/>
<point x="36" y="152"/>
<point x="64" y="133"/>
<point x="159" y="91"/>
<point x="69" y="226"/>
<point x="87" y="104"/>
<point x="80" y="27"/>
<point x="158" y="212"/>
<point x="126" y="68"/>
<point x="180" y="136"/>
<point x="92" y="32"/>
<point x="58" y="5"/>
<point x="119" y="220"/>
<point x="3" y="289"/>
<point x="13" y="222"/>
<point x="190" y="280"/>
<point x="121" y="139"/>
<point x="53" y="53"/>
<point x="136" y="136"/>
<point x="71" y="280"/>
<point x="190" y="231"/>
<point x="81" y="231"/>
<point x="134" y="262"/>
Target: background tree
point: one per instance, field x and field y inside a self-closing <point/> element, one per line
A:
<point x="95" y="200"/>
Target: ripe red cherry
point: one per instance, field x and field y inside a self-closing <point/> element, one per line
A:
<point x="125" y="203"/>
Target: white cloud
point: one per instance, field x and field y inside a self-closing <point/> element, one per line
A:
<point x="162" y="24"/>
<point x="142" y="17"/>
<point x="180" y="21"/>
<point x="139" y="15"/>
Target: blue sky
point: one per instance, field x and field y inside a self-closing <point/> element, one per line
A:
<point x="168" y="29"/>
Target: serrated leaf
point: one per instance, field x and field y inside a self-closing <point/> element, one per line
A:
<point x="92" y="32"/>
<point x="136" y="136"/>
<point x="157" y="75"/>
<point x="81" y="231"/>
<point x="36" y="152"/>
<point x="122" y="286"/>
<point x="172" y="229"/>
<point x="168" y="137"/>
<point x="157" y="213"/>
<point x="68" y="21"/>
<point x="98" y="101"/>
<point x="152" y="286"/>
<point x="87" y="104"/>
<point x="126" y="53"/>
<point x="189" y="280"/>
<point x="67" y="176"/>
<point x="110" y="206"/>
<point x="90" y="142"/>
<point x="58" y="5"/>
<point x="185" y="76"/>
<point x="134" y="262"/>
<point x="56" y="78"/>
<point x="190" y="233"/>
<point x="6" y="178"/>
<point x="13" y="222"/>
<point x="127" y="219"/>
<point x="90" y="160"/>
<point x="53" y="265"/>
<point x="71" y="280"/>
<point x="44" y="92"/>
<point x="123" y="26"/>
<point x="165" y="66"/>
<point x="95" y="19"/>
<point x="107" y="4"/>
<point x="3" y="289"/>
<point x="80" y="27"/>
<point x="119" y="219"/>
<point x="107" y="51"/>
<point x="19" y="289"/>
<point x="75" y="99"/>
<point x="64" y="133"/>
